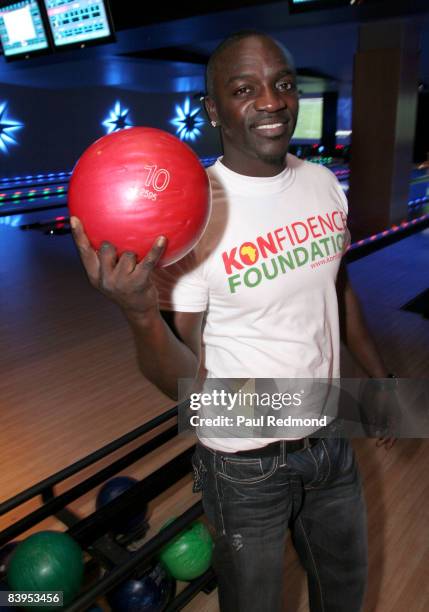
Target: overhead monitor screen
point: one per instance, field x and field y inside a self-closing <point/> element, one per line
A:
<point x="21" y="28"/>
<point x="310" y="119"/>
<point x="77" y="22"/>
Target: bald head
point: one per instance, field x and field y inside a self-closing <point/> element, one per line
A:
<point x="216" y="58"/>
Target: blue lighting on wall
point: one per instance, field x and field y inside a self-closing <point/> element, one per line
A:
<point x="117" y="120"/>
<point x="187" y="121"/>
<point x="12" y="220"/>
<point x="8" y="128"/>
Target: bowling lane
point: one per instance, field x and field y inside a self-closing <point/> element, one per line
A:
<point x="419" y="186"/>
<point x="22" y="206"/>
<point x="385" y="281"/>
<point x="70" y="379"/>
<point x="71" y="383"/>
<point x="33" y="180"/>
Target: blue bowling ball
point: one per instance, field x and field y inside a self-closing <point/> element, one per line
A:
<point x="149" y="593"/>
<point x="140" y="595"/>
<point x="112" y="489"/>
<point x="164" y="581"/>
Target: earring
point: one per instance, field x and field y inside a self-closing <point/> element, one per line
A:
<point x="214" y="124"/>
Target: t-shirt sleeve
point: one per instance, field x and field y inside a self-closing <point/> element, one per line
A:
<point x="181" y="286"/>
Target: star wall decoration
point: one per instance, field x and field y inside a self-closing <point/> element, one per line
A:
<point x="118" y="119"/>
<point x="8" y="127"/>
<point x="187" y="122"/>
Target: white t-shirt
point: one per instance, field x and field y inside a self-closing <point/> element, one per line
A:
<point x="264" y="272"/>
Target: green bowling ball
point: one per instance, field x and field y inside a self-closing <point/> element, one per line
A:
<point x="189" y="554"/>
<point x="47" y="561"/>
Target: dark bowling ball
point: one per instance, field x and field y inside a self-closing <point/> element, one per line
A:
<point x="136" y="595"/>
<point x="165" y="582"/>
<point x="112" y="489"/>
<point x="151" y="592"/>
<point x="5" y="555"/>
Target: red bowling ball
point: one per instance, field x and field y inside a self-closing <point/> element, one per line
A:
<point x="134" y="185"/>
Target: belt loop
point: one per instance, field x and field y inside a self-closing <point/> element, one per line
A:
<point x="307" y="443"/>
<point x="282" y="453"/>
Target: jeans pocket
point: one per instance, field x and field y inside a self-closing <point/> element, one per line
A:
<point x="334" y="459"/>
<point x="322" y="456"/>
<point x="200" y="472"/>
<point x="246" y="469"/>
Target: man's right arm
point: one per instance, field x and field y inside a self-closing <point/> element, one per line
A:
<point x="163" y="356"/>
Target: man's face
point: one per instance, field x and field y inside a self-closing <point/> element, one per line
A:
<point x="255" y="101"/>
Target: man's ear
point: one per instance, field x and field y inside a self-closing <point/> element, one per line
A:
<point x="210" y="106"/>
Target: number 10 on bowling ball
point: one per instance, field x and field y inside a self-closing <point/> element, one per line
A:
<point x="134" y="185"/>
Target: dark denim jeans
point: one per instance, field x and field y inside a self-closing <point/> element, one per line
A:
<point x="251" y="502"/>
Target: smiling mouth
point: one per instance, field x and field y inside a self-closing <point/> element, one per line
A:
<point x="272" y="129"/>
<point x="271" y="126"/>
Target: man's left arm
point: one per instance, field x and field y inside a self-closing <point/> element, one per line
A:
<point x="356" y="335"/>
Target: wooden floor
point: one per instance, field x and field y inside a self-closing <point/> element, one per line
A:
<point x="70" y="384"/>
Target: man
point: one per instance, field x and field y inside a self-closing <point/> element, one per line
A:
<point x="267" y="312"/>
